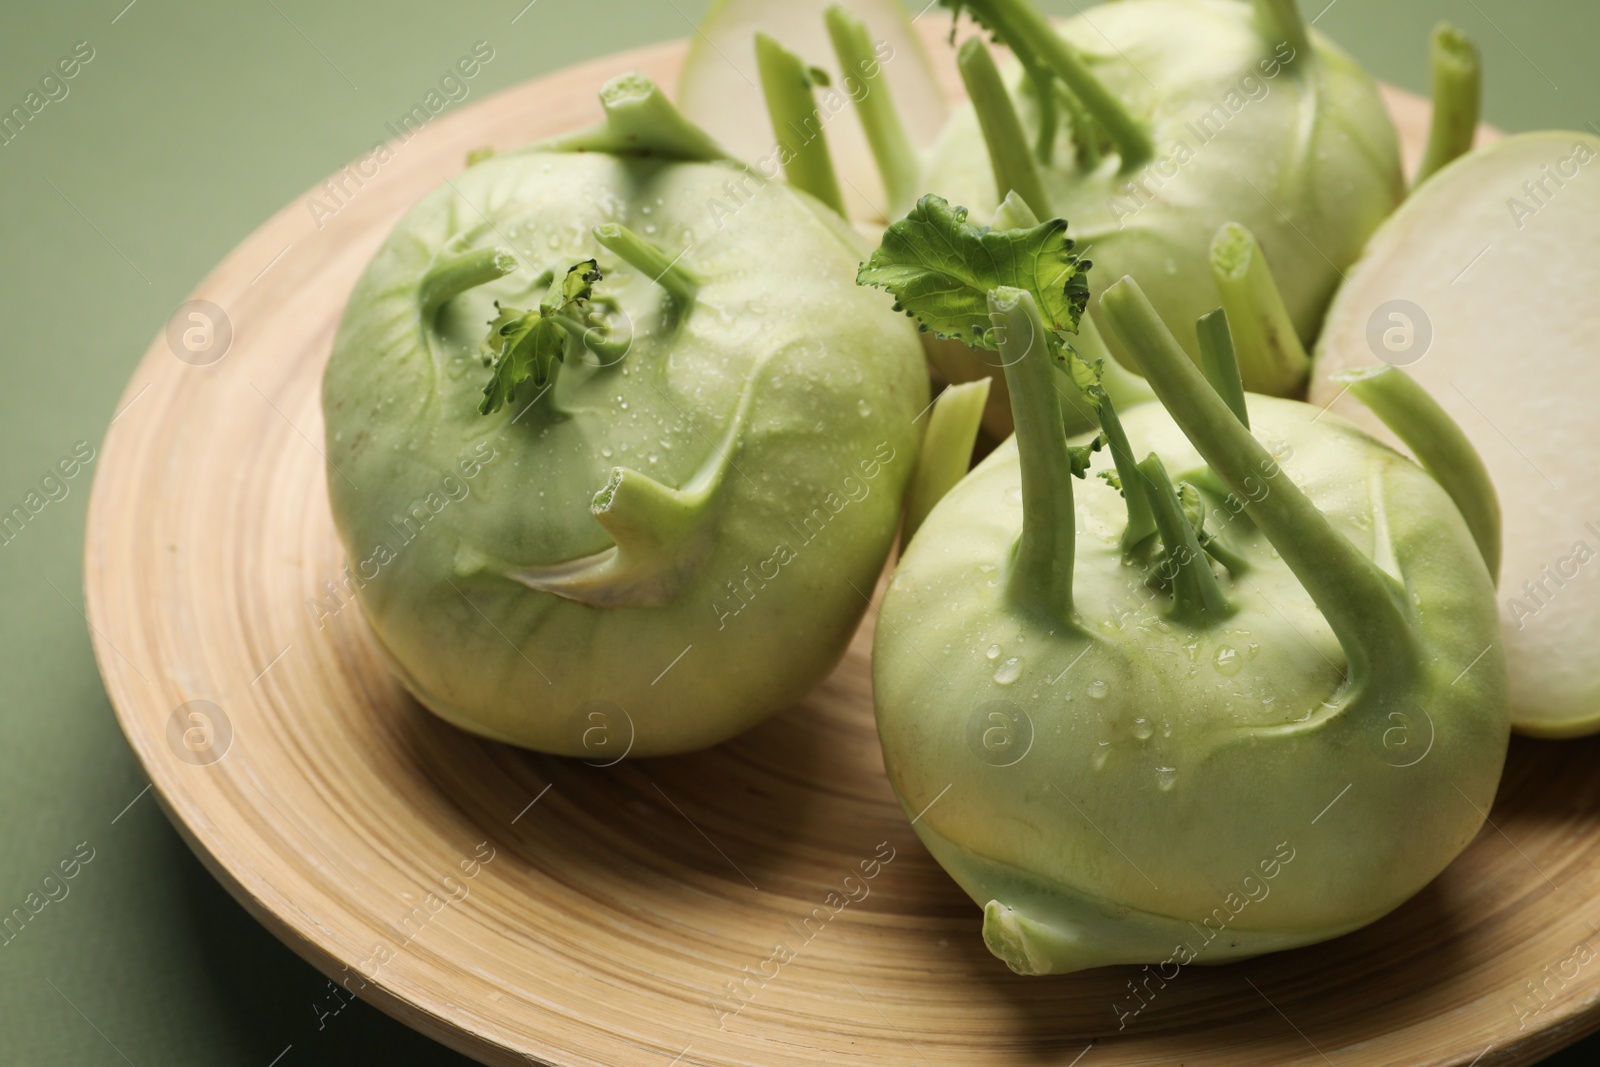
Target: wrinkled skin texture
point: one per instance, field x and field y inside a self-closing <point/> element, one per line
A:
<point x="782" y="403"/>
<point x="1307" y="159"/>
<point x="1144" y="774"/>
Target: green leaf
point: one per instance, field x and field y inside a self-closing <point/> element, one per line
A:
<point x="940" y="269"/>
<point x="1083" y="455"/>
<point x="1085" y="375"/>
<point x="525" y="346"/>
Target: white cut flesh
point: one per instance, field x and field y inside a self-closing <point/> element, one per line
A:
<point x="720" y="87"/>
<point x="1501" y="252"/>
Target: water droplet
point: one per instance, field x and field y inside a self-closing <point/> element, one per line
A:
<point x="650" y="229"/>
<point x="1166" y="778"/>
<point x="654" y="458"/>
<point x="863" y="407"/>
<point x="1143" y="729"/>
<point x="606" y="452"/>
<point x="1098" y="689"/>
<point x="1228" y="661"/>
<point x="1098" y="760"/>
<point x="1009" y="671"/>
<point x="994" y="652"/>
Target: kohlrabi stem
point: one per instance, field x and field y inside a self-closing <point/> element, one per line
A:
<point x="946" y="450"/>
<point x="1085" y="140"/>
<point x="796" y="122"/>
<point x="1270" y="355"/>
<point x="597" y="339"/>
<point x="1022" y="26"/>
<point x="451" y="277"/>
<point x="1362" y="604"/>
<point x="1049" y="119"/>
<point x="1220" y="365"/>
<point x="1237" y="566"/>
<point x="1141" y="522"/>
<point x="1041" y="569"/>
<point x="1197" y="597"/>
<point x="650" y="261"/>
<point x="1015" y="169"/>
<point x="1439" y="445"/>
<point x="640" y="120"/>
<point x="1281" y="23"/>
<point x="899" y="163"/>
<point x="1457" y="99"/>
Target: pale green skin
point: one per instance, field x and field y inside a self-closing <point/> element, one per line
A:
<point x="1319" y="148"/>
<point x="829" y="379"/>
<point x="1069" y="888"/>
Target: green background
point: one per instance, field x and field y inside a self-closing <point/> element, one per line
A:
<point x="191" y="125"/>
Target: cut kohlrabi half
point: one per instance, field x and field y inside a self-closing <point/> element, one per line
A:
<point x="1483" y="286"/>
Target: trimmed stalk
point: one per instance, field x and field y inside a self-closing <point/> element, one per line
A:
<point x="1015" y="169"/>
<point x="1362" y="604"/>
<point x="641" y="514"/>
<point x="1041" y="566"/>
<point x="1219" y="363"/>
<point x="946" y="452"/>
<point x="640" y="120"/>
<point x="450" y="278"/>
<point x="796" y="123"/>
<point x="658" y="535"/>
<point x="1029" y="34"/>
<point x="1270" y="355"/>
<point x="649" y="260"/>
<point x="1457" y="99"/>
<point x="1197" y="597"/>
<point x="899" y="163"/>
<point x="1439" y="445"/>
<point x="1280" y="21"/>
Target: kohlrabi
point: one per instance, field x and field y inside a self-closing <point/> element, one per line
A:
<point x="1483" y="286"/>
<point x="1222" y="679"/>
<point x="615" y="471"/>
<point x="1152" y="123"/>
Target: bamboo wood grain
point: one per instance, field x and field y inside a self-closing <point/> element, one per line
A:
<point x="596" y="916"/>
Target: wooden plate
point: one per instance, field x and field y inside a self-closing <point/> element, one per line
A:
<point x="529" y="909"/>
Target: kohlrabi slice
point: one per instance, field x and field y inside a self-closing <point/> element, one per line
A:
<point x="1238" y="689"/>
<point x="720" y="86"/>
<point x="613" y="474"/>
<point x="1167" y="119"/>
<point x="1483" y="286"/>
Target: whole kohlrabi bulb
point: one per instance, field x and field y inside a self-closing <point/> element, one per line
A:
<point x="1243" y="695"/>
<point x="1167" y="120"/>
<point x="651" y="521"/>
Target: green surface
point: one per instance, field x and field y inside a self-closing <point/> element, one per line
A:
<point x="191" y="124"/>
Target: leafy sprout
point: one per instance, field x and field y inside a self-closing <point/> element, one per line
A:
<point x="525" y="346"/>
<point x="941" y="268"/>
